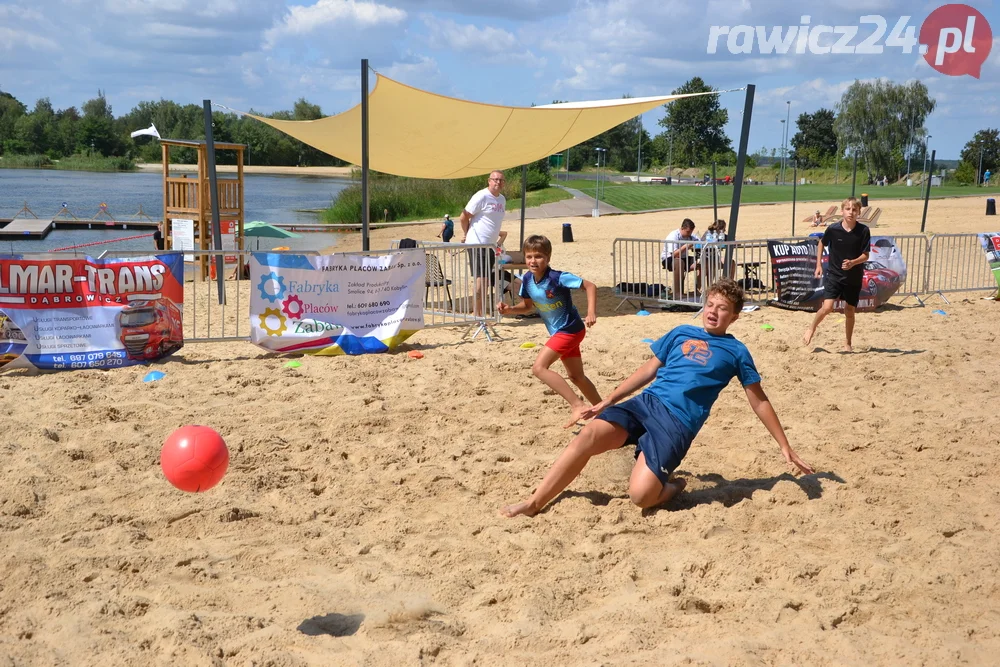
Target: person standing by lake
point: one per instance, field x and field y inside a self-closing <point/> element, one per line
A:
<point x="158" y="236"/>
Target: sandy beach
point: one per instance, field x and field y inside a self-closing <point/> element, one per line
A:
<point x="358" y="522"/>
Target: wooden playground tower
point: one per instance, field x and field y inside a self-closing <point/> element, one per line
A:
<point x="189" y="198"/>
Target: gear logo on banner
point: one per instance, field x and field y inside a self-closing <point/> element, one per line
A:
<point x="287" y="304"/>
<point x="273" y="312"/>
<point x="278" y="281"/>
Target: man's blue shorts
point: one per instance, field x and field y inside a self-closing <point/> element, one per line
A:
<point x="655" y="432"/>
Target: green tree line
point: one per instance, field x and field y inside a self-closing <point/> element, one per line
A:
<point x="93" y="130"/>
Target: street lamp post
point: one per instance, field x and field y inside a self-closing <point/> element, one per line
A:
<point x="788" y="136"/>
<point x="909" y="147"/>
<point x="979" y="172"/>
<point x="638" y="159"/>
<point x="597" y="190"/>
<point x="781" y="170"/>
<point x="927" y="143"/>
<point x="670" y="159"/>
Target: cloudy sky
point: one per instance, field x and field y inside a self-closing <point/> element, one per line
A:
<point x="265" y="54"/>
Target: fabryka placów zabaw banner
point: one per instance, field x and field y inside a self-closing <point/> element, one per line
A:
<point x="793" y="266"/>
<point x="90" y="313"/>
<point x="336" y="304"/>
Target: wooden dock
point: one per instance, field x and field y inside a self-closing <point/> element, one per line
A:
<point x="31" y="229"/>
<point x="25" y="229"/>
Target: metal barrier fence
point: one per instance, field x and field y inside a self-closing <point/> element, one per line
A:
<point x="955" y="263"/>
<point x="641" y="269"/>
<point x="462" y="285"/>
<point x="205" y="319"/>
<point x="943" y="263"/>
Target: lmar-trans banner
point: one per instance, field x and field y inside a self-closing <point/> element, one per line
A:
<point x="335" y="304"/>
<point x="60" y="313"/>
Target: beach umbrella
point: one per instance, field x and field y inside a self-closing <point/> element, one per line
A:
<point x="260" y="229"/>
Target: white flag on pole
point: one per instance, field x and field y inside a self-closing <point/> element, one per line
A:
<point x="151" y="131"/>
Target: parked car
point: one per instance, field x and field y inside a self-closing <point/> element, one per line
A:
<point x="151" y="329"/>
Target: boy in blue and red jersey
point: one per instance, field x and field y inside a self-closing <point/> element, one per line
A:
<point x="547" y="290"/>
<point x="690" y="366"/>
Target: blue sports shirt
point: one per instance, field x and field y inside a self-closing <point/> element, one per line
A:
<point x="553" y="300"/>
<point x="696" y="367"/>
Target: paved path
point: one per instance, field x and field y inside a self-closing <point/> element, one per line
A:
<point x="579" y="205"/>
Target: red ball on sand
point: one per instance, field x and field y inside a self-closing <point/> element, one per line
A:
<point x="194" y="458"/>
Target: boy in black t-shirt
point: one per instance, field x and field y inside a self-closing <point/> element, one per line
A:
<point x="849" y="242"/>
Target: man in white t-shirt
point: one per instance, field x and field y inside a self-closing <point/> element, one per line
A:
<point x="481" y="221"/>
<point x="678" y="253"/>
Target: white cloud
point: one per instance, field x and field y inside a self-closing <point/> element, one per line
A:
<point x="325" y="14"/>
<point x="11" y="40"/>
<point x="487" y="43"/>
<point x="173" y="31"/>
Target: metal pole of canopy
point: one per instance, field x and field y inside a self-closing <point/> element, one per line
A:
<point x="213" y="197"/>
<point x="365" y="213"/>
<point x="524" y="197"/>
<point x="741" y="160"/>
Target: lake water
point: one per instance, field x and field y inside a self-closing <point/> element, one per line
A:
<point x="268" y="198"/>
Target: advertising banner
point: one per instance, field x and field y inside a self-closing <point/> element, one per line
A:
<point x="62" y="313"/>
<point x="335" y="304"/>
<point x="11" y="341"/>
<point x="794" y="265"/>
<point x="991" y="246"/>
<point x="183" y="236"/>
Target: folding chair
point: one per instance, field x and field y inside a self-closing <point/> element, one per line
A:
<point x="435" y="278"/>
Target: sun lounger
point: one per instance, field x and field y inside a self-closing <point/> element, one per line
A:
<point x="830" y="211"/>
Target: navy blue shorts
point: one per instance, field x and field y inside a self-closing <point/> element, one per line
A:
<point x="653" y="430"/>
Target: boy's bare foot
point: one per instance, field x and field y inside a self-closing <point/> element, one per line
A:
<point x="847" y="349"/>
<point x="578" y="413"/>
<point x="807" y="337"/>
<point x="518" y="509"/>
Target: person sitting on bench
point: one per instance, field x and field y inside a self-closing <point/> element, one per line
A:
<point x="675" y="252"/>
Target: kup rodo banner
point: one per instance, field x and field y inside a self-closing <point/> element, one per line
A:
<point x="991" y="246"/>
<point x="793" y="265"/>
<point x="335" y="304"/>
<point x="91" y="313"/>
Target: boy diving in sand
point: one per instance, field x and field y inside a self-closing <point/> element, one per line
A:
<point x="689" y="368"/>
<point x="548" y="290"/>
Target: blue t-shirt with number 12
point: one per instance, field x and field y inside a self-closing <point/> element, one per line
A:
<point x="553" y="300"/>
<point x="697" y="366"/>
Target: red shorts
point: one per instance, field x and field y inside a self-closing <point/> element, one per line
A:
<point x="566" y="344"/>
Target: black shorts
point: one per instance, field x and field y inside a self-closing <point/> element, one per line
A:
<point x="481" y="262"/>
<point x="668" y="263"/>
<point x="836" y="289"/>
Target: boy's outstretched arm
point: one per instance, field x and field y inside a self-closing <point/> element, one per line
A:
<point x="819" y="260"/>
<point x="523" y="306"/>
<point x="591" y="290"/>
<point x="768" y="417"/>
<point x="639" y="379"/>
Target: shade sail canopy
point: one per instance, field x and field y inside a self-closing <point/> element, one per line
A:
<point x="423" y="135"/>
